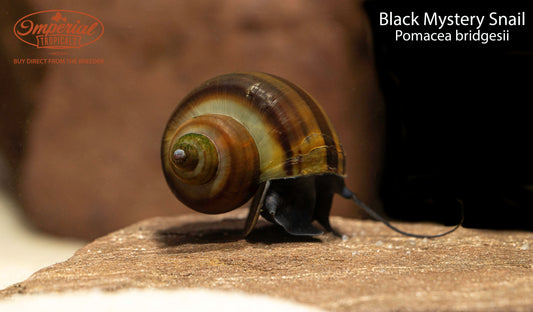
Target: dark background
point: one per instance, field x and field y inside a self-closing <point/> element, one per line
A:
<point x="459" y="122"/>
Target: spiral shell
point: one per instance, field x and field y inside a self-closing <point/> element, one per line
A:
<point x="238" y="130"/>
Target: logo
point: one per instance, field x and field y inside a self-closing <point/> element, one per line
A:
<point x="58" y="29"/>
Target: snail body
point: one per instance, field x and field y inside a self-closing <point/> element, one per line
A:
<point x="244" y="135"/>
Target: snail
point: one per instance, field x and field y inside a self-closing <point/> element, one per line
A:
<point x="244" y="135"/>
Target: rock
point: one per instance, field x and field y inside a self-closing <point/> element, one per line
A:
<point x="92" y="161"/>
<point x="373" y="268"/>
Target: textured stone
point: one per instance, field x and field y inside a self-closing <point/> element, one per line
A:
<point x="373" y="269"/>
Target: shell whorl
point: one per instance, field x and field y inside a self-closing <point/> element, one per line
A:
<point x="288" y="129"/>
<point x="212" y="164"/>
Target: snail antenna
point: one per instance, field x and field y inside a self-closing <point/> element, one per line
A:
<point x="346" y="193"/>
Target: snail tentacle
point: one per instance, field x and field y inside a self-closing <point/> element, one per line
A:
<point x="346" y="193"/>
<point x="256" y="207"/>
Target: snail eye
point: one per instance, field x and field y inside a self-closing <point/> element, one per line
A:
<point x="179" y="154"/>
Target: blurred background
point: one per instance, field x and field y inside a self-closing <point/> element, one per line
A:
<point x="80" y="143"/>
<point x="422" y="125"/>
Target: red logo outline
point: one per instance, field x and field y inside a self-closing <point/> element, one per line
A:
<point x="74" y="39"/>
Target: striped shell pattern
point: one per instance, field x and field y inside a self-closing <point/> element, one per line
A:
<point x="241" y="129"/>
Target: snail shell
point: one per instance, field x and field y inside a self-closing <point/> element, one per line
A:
<point x="237" y="131"/>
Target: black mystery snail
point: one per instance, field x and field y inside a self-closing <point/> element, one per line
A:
<point x="244" y="135"/>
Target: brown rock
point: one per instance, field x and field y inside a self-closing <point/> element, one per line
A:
<point x="92" y="161"/>
<point x="374" y="269"/>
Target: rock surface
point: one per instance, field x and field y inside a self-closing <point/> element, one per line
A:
<point x="373" y="268"/>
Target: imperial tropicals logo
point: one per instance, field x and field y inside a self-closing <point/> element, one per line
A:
<point x="58" y="29"/>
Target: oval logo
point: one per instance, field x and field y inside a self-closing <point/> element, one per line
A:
<point x="58" y="29"/>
